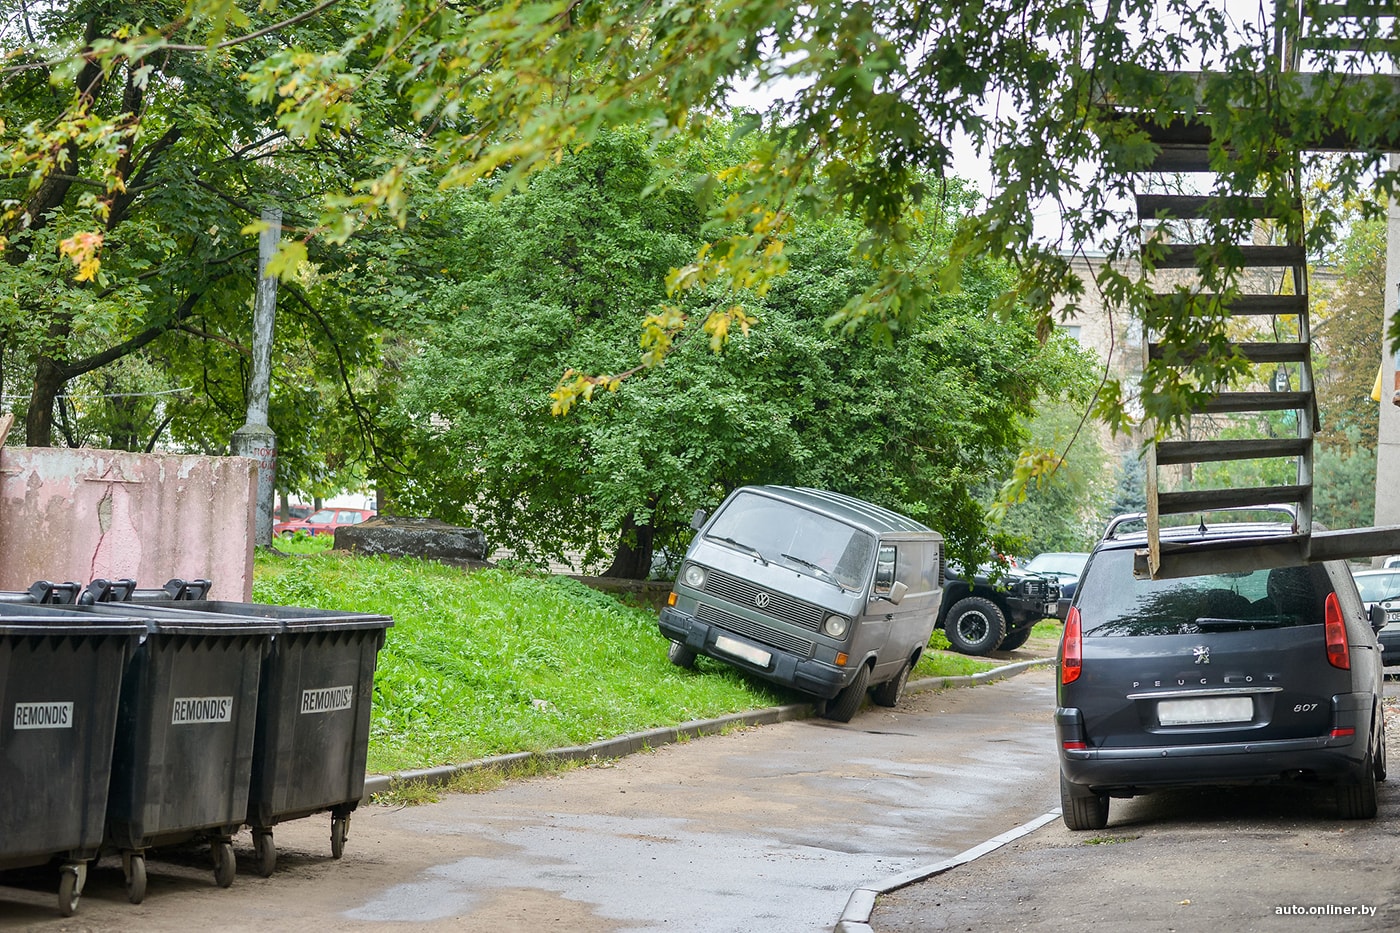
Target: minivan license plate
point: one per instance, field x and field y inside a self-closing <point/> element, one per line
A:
<point x="740" y="650"/>
<point x="1205" y="710"/>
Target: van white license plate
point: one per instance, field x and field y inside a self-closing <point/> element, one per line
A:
<point x="738" y="649"/>
<point x="1205" y="710"/>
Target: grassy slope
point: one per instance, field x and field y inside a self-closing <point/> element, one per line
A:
<point x="491" y="662"/>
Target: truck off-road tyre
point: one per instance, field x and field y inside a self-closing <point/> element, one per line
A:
<point x="1081" y="808"/>
<point x="681" y="655"/>
<point x="843" y="706"/>
<point x="975" y="626"/>
<point x="1357" y="801"/>
<point x="1016" y="639"/>
<point x="889" y="692"/>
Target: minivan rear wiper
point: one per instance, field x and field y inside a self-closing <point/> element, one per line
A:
<point x="817" y="567"/>
<point x="743" y="547"/>
<point x="1209" y="623"/>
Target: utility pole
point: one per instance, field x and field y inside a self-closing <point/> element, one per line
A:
<point x="255" y="439"/>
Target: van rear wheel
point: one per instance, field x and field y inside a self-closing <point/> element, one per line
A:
<point x="843" y="706"/>
<point x="975" y="625"/>
<point x="889" y="692"/>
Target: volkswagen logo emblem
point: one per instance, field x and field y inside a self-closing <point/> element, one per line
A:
<point x="761" y="600"/>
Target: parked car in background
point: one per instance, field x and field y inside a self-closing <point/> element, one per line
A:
<point x="995" y="609"/>
<point x="1382" y="588"/>
<point x="1064" y="567"/>
<point x="1249" y="677"/>
<point x="1393" y="561"/>
<point x="324" y="522"/>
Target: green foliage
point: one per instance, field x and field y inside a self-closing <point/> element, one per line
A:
<point x="377" y="102"/>
<point x="560" y="273"/>
<point x="1345" y="484"/>
<point x="1060" y="510"/>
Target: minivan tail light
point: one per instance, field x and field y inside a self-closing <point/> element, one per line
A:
<point x="1338" y="654"/>
<point x="1072" y="648"/>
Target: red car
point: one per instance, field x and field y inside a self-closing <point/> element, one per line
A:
<point x="324" y="522"/>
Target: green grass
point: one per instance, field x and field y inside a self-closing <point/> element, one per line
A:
<point x="492" y="662"/>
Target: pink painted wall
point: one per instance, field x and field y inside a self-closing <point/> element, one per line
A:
<point x="82" y="514"/>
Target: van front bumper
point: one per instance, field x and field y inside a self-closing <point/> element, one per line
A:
<point x="806" y="674"/>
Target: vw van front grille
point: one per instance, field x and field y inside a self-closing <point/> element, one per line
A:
<point x="755" y="630"/>
<point x="781" y="607"/>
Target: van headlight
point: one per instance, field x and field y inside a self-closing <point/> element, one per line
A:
<point x="693" y="576"/>
<point x="836" y="626"/>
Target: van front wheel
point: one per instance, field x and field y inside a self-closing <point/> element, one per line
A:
<point x="975" y="626"/>
<point x="681" y="655"/>
<point x="846" y="704"/>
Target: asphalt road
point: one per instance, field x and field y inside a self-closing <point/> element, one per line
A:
<point x="761" y="829"/>
<point x="1239" y="859"/>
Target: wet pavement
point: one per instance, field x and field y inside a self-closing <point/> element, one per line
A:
<point x="762" y="829"/>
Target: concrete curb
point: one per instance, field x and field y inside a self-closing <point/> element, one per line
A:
<point x="652" y="738"/>
<point x="861" y="904"/>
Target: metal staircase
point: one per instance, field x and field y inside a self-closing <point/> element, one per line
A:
<point x="1265" y="413"/>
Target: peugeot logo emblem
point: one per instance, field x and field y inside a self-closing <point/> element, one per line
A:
<point x="1201" y="653"/>
<point x="761" y="600"/>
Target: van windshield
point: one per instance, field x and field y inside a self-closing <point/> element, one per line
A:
<point x="780" y="532"/>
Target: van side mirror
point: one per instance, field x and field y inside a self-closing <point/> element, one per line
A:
<point x="886" y="586"/>
<point x="697" y="521"/>
<point x="1378" y="617"/>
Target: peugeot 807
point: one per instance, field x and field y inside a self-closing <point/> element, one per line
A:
<point x="1257" y="676"/>
<point x="814" y="590"/>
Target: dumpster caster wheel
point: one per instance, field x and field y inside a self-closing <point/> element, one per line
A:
<point x="70" y="888"/>
<point x="266" y="851"/>
<point x="340" y="827"/>
<point x="135" y="877"/>
<point x="224" y="865"/>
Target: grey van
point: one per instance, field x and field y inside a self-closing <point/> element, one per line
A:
<point x="818" y="591"/>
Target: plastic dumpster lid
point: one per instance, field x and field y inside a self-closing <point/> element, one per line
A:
<point x="47" y="620"/>
<point x="289" y="618"/>
<point x="182" y="621"/>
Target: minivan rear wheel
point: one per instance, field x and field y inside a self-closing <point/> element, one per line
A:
<point x="1081" y="808"/>
<point x="1358" y="801"/>
<point x="975" y="625"/>
<point x="846" y="704"/>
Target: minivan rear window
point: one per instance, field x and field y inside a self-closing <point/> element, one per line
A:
<point x="1112" y="601"/>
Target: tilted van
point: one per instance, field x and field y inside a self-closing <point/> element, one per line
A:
<point x="818" y="591"/>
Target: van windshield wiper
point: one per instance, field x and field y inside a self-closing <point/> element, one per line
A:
<point x="818" y="568"/>
<point x="749" y="548"/>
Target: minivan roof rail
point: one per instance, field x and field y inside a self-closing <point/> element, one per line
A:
<point x="1286" y="513"/>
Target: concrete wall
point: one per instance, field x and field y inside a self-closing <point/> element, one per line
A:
<point x="82" y="514"/>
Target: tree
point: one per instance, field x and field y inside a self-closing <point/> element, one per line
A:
<point x="881" y="90"/>
<point x="564" y="270"/>
<point x="128" y="178"/>
<point x="1348" y="334"/>
<point x="1061" y="510"/>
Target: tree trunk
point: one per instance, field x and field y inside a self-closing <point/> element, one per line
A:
<point x="634" y="547"/>
<point x="49" y="380"/>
